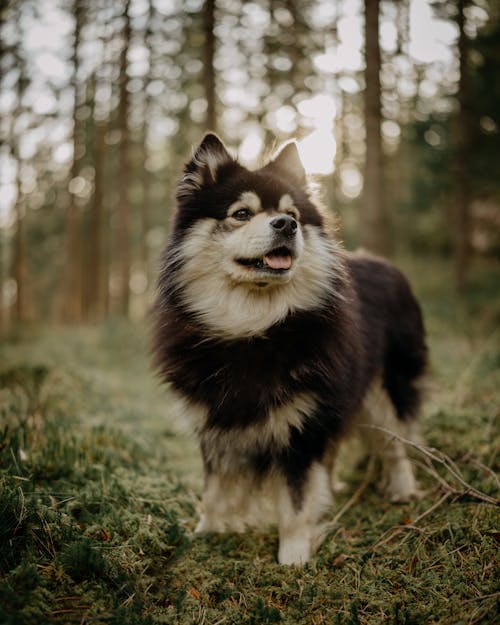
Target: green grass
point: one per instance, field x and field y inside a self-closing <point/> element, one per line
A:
<point x="99" y="490"/>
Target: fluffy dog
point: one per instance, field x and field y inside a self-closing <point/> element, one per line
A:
<point x="276" y="342"/>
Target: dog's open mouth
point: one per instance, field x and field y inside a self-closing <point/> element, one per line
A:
<point x="277" y="260"/>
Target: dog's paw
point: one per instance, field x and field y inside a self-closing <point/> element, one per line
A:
<point x="201" y="526"/>
<point x="205" y="525"/>
<point x="401" y="485"/>
<point x="405" y="496"/>
<point x="294" y="551"/>
<point x="339" y="487"/>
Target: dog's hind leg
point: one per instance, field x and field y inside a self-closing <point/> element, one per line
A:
<point x="299" y="515"/>
<point x="384" y="435"/>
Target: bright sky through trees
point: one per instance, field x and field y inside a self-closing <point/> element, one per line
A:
<point x="47" y="42"/>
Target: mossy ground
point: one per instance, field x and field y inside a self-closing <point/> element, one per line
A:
<point x="99" y="490"/>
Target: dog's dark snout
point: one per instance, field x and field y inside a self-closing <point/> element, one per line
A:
<point x="284" y="224"/>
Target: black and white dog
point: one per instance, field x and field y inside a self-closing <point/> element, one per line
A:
<point x="276" y="343"/>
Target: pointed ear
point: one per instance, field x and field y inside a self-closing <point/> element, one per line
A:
<point x="288" y="161"/>
<point x="202" y="169"/>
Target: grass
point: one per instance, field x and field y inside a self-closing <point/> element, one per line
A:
<point x="99" y="490"/>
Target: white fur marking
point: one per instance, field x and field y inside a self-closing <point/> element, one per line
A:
<point x="225" y="296"/>
<point x="300" y="531"/>
<point x="188" y="411"/>
<point x="234" y="498"/>
<point x="248" y="199"/>
<point x="231" y="450"/>
<point x="235" y="502"/>
<point x="286" y="205"/>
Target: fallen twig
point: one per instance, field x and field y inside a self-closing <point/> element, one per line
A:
<point x="493" y="595"/>
<point x="441" y="458"/>
<point x="401" y="528"/>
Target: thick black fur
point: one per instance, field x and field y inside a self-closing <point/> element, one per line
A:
<point x="372" y="326"/>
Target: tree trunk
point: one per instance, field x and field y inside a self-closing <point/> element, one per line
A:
<point x="20" y="270"/>
<point x="146" y="177"/>
<point x="374" y="226"/>
<point x="72" y="306"/>
<point x="209" y="71"/>
<point x="4" y="315"/>
<point x="3" y="303"/>
<point x="461" y="211"/>
<point x="294" y="50"/>
<point x="96" y="272"/>
<point x="123" y="208"/>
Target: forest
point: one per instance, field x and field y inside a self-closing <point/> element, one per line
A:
<point x="102" y="102"/>
<point x="395" y="107"/>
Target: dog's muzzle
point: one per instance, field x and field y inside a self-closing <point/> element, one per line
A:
<point x="279" y="258"/>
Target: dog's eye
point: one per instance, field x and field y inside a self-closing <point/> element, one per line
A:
<point x="242" y="214"/>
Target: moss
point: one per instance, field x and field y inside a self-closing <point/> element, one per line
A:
<point x="99" y="493"/>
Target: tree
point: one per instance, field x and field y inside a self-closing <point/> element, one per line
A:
<point x="209" y="71"/>
<point x="72" y="306"/>
<point x="374" y="226"/>
<point x="461" y="203"/>
<point x="123" y="207"/>
<point x="96" y="275"/>
<point x="19" y="256"/>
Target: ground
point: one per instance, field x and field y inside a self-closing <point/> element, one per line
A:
<point x="99" y="490"/>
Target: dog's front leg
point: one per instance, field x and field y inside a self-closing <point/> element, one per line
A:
<point x="300" y="507"/>
<point x="225" y="502"/>
<point x="213" y="506"/>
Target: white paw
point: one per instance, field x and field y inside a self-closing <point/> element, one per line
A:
<point x="207" y="525"/>
<point x="401" y="484"/>
<point x="339" y="487"/>
<point x="294" y="551"/>
<point x="201" y="525"/>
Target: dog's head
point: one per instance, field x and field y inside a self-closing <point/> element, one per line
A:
<point x="249" y="247"/>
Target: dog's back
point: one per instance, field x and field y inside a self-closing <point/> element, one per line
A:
<point x="392" y="329"/>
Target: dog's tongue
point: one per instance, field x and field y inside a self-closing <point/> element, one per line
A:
<point x="276" y="261"/>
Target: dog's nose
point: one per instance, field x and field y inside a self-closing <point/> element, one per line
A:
<point x="285" y="224"/>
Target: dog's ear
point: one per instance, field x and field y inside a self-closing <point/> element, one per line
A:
<point x="208" y="158"/>
<point x="288" y="162"/>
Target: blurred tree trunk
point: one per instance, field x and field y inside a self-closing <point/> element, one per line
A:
<point x="462" y="247"/>
<point x="294" y="50"/>
<point x="123" y="208"/>
<point x="209" y="70"/>
<point x="72" y="302"/>
<point x="4" y="317"/>
<point x="20" y="267"/>
<point x="95" y="307"/>
<point x="19" y="259"/>
<point x="3" y="276"/>
<point x="145" y="175"/>
<point x="402" y="25"/>
<point x="374" y="226"/>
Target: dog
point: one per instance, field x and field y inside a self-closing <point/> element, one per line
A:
<point x="276" y="343"/>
